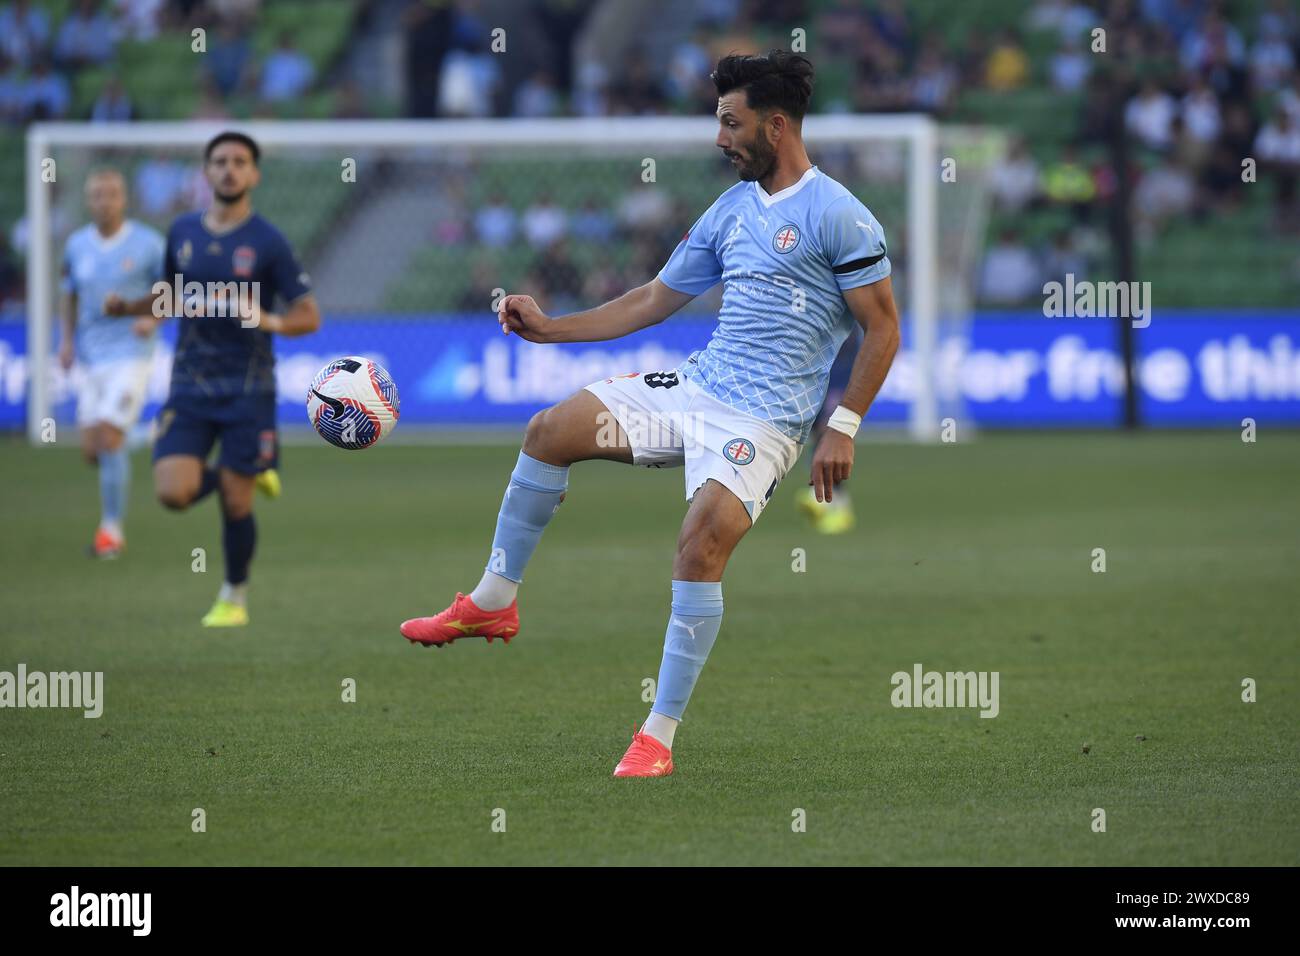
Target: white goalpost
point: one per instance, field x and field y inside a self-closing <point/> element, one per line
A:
<point x="890" y="153"/>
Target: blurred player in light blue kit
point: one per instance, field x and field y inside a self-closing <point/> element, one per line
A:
<point x="802" y="261"/>
<point x="112" y="255"/>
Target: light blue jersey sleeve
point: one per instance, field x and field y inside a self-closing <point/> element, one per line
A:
<point x="693" y="268"/>
<point x="158" y="247"/>
<point x="854" y="242"/>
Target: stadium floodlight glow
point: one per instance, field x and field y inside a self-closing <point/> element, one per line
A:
<point x="917" y="137"/>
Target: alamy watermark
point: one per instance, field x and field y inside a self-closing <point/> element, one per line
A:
<point x="922" y="688"/>
<point x="204" y="300"/>
<point x="1085" y="300"/>
<point x="75" y="908"/>
<point x="644" y="429"/>
<point x="82" y="690"/>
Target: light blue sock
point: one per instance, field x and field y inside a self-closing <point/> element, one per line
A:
<point x="114" y="480"/>
<point x="692" y="628"/>
<point x="532" y="496"/>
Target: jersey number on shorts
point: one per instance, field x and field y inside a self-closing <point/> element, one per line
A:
<point x="660" y="379"/>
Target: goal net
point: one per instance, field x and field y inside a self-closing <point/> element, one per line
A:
<point x="411" y="230"/>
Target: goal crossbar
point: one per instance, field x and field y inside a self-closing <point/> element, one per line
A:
<point x="918" y="131"/>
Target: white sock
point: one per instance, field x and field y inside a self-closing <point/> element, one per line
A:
<point x="112" y="527"/>
<point x="494" y="592"/>
<point x="661" y="728"/>
<point x="234" y="593"/>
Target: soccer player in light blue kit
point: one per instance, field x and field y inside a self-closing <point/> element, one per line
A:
<point x="801" y="261"/>
<point x="111" y="255"/>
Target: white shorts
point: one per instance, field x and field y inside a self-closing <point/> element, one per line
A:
<point x="670" y="421"/>
<point x="112" y="392"/>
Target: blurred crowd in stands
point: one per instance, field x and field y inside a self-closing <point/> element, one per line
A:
<point x="646" y="222"/>
<point x="39" y="58"/>
<point x="1195" y="95"/>
<point x="1198" y="85"/>
<point x="1198" y="102"/>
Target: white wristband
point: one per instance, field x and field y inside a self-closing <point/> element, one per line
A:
<point x="844" y="420"/>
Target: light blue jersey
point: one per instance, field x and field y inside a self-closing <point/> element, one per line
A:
<point x="129" y="264"/>
<point x="784" y="260"/>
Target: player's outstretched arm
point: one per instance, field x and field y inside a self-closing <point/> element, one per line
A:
<point x="874" y="308"/>
<point x="644" y="306"/>
<point x="145" y="317"/>
<point x="301" y="318"/>
<point x="151" y="304"/>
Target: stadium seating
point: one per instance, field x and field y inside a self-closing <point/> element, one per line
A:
<point x="1239" y="258"/>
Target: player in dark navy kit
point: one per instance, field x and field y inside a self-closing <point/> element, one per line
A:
<point x="226" y="268"/>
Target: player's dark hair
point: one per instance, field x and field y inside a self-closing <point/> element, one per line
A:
<point x="230" y="136"/>
<point x="106" y="171"/>
<point x="777" y="79"/>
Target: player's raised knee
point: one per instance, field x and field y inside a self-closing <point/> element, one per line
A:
<point x="540" y="433"/>
<point x="175" y="497"/>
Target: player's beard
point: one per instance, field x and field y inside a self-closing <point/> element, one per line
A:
<point x="230" y="198"/>
<point x="762" y="157"/>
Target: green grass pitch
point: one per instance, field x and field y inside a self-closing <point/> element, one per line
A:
<point x="967" y="557"/>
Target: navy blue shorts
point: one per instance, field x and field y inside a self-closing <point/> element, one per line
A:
<point x="244" y="424"/>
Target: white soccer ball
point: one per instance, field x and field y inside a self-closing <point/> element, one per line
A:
<point x="353" y="403"/>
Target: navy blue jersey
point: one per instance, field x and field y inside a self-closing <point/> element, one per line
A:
<point x="216" y="356"/>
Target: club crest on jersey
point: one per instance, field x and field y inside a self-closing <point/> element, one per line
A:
<point x="243" y="259"/>
<point x="786" y="238"/>
<point x="739" y="451"/>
